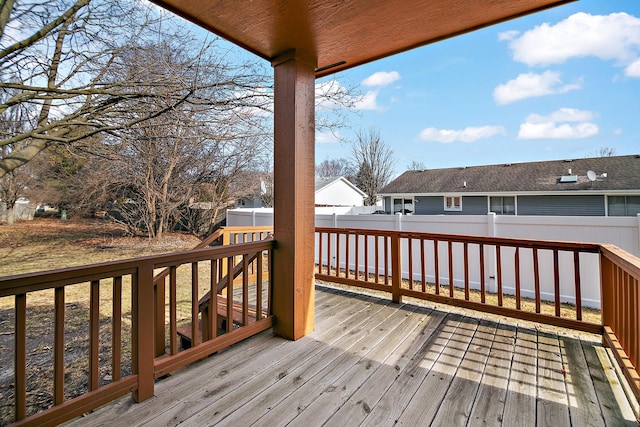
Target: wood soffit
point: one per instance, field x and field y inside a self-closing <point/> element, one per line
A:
<point x="346" y="33"/>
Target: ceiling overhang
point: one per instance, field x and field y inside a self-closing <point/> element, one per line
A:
<point x="345" y="33"/>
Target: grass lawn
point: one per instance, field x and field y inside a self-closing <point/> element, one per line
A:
<point x="44" y="244"/>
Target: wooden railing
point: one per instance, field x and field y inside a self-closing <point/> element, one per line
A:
<point x="621" y="310"/>
<point x="216" y="296"/>
<point x="496" y="275"/>
<point x="238" y="306"/>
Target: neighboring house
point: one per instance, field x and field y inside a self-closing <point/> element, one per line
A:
<point x="338" y="191"/>
<point x="601" y="186"/>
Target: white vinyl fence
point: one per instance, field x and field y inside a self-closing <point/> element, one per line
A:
<point x="623" y="232"/>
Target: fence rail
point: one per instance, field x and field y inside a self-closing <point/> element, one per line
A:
<point x="235" y="278"/>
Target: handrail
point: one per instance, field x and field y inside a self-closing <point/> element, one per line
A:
<point x="399" y="262"/>
<point x="620" y="285"/>
<point x="137" y="274"/>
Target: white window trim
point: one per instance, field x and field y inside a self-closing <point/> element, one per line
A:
<point x="413" y="203"/>
<point x="452" y="208"/>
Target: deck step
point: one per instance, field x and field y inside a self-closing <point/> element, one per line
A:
<point x="184" y="331"/>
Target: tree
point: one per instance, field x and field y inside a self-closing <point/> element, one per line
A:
<point x="13" y="184"/>
<point x="375" y="163"/>
<point x="330" y="168"/>
<point x="416" y="165"/>
<point x="63" y="71"/>
<point x="606" y="152"/>
<point x="195" y="151"/>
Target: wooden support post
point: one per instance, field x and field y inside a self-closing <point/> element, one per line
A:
<point x="143" y="331"/>
<point x="294" y="187"/>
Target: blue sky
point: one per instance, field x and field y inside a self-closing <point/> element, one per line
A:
<point x="559" y="84"/>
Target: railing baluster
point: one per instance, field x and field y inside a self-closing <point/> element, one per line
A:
<point x="556" y="282"/>
<point x="466" y="271"/>
<point x="213" y="301"/>
<point x="482" y="279"/>
<point x="451" y="284"/>
<point x="423" y="266"/>
<point x="270" y="278"/>
<point x="58" y="346"/>
<point x="536" y="278"/>
<point x="160" y="295"/>
<point x="436" y="266"/>
<point x="499" y="274"/>
<point x="116" y="329"/>
<point x="578" y="293"/>
<point x="320" y="239"/>
<point x="346" y="255"/>
<point x="245" y="290"/>
<point x="377" y="259"/>
<point x="328" y="254"/>
<point x="259" y="267"/>
<point x="230" y="294"/>
<point x="338" y="238"/>
<point x="173" y="310"/>
<point x="387" y="243"/>
<point x="357" y="256"/>
<point x="396" y="269"/>
<point x="94" y="336"/>
<point x="195" y="311"/>
<point x="410" y="260"/>
<point x="366" y="258"/>
<point x="517" y="276"/>
<point x="20" y="357"/>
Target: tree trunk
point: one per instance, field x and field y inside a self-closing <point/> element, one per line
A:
<point x="10" y="214"/>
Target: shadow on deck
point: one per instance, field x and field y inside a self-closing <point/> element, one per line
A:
<point x="372" y="362"/>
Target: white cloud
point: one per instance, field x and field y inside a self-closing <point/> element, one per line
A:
<point x="508" y="35"/>
<point x="531" y="85"/>
<point x="381" y="78"/>
<point x="368" y="101"/>
<point x="633" y="70"/>
<point x="328" y="137"/>
<point x="562" y="115"/>
<point x="565" y="123"/>
<point x="329" y="93"/>
<point x="608" y="37"/>
<point x="469" y="134"/>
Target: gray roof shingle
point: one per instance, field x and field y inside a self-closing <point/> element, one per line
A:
<point x="623" y="173"/>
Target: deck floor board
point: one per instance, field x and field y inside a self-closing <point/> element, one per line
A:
<point x="371" y="362"/>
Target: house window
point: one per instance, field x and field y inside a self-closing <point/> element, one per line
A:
<point x="452" y="203"/>
<point x="502" y="205"/>
<point x="623" y="205"/>
<point x="403" y="206"/>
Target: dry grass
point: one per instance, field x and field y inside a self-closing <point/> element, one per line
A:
<point x="45" y="244"/>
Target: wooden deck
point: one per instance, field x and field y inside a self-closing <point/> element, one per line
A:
<point x="371" y="362"/>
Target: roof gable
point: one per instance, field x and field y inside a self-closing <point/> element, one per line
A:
<point x="322" y="183"/>
<point x="622" y="173"/>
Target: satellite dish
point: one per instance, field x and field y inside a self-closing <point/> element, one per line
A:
<point x="591" y="175"/>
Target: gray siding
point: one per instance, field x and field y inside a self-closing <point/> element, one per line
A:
<point x="473" y="205"/>
<point x="561" y="205"/>
<point x="429" y="205"/>
<point x="434" y="205"/>
<point x="388" y="205"/>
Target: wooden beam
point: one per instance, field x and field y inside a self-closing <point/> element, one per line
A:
<point x="294" y="188"/>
